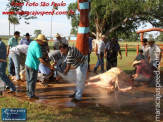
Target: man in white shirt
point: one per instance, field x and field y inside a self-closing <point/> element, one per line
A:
<point x="15" y="53"/>
<point x="100" y="54"/>
<point x="58" y="41"/>
<point x="145" y="48"/>
<point x="154" y="53"/>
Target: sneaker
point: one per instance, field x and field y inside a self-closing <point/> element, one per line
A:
<point x="6" y="87"/>
<point x="75" y="100"/>
<point x="72" y="96"/>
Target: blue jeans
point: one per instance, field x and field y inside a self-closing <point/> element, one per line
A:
<point x="15" y="59"/>
<point x="11" y="68"/>
<point x="100" y="61"/>
<point x="31" y="77"/>
<point x="60" y="66"/>
<point x="81" y="72"/>
<point x="4" y="77"/>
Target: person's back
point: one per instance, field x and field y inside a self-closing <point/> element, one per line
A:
<point x="144" y="70"/>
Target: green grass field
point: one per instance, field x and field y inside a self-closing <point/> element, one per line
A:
<point x="41" y="113"/>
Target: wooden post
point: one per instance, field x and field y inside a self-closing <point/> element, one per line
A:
<point x="142" y="36"/>
<point x="82" y="42"/>
<point x="137" y="49"/>
<point x="126" y="51"/>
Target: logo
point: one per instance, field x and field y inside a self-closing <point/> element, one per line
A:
<point x="14" y="114"/>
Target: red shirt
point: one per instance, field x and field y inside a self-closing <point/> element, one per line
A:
<point x="144" y="70"/>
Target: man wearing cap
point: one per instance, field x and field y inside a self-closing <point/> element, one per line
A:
<point x="145" y="48"/>
<point x="59" y="40"/>
<point x="80" y="63"/>
<point x="154" y="53"/>
<point x="12" y="42"/>
<point x="111" y="52"/>
<point x="3" y="65"/>
<point x="143" y="73"/>
<point x="26" y="40"/>
<point x="100" y="54"/>
<point x="34" y="57"/>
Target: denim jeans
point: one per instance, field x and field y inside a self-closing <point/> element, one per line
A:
<point x="60" y="66"/>
<point x="100" y="61"/>
<point x="11" y="68"/>
<point x="15" y="59"/>
<point x="22" y="58"/>
<point x="31" y="77"/>
<point x="81" y="72"/>
<point x="4" y="77"/>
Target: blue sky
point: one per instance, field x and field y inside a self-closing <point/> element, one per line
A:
<point x="60" y="22"/>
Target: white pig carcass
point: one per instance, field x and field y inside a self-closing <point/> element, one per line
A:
<point x="114" y="78"/>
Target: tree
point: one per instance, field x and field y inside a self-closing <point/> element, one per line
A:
<point x="37" y="32"/>
<point x="150" y="36"/>
<point x="160" y="37"/>
<point x="14" y="18"/>
<point x="112" y="17"/>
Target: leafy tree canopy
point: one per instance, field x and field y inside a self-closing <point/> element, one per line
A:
<point x="113" y="17"/>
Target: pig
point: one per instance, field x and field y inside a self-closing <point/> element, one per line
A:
<point x="114" y="78"/>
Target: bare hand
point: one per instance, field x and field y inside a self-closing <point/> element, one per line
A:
<point x="120" y="57"/>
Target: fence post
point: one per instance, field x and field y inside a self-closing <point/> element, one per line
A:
<point x="126" y="51"/>
<point x="137" y="49"/>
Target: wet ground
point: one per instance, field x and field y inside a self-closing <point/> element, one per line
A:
<point x="57" y="94"/>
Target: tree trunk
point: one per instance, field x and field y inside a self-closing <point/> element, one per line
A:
<point x="9" y="28"/>
<point x="14" y="27"/>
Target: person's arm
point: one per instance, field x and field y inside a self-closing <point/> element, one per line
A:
<point x="67" y="69"/>
<point x="8" y="50"/>
<point x="45" y="63"/>
<point x="105" y="53"/>
<point x="120" y="54"/>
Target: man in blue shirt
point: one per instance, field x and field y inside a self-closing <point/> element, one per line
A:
<point x="3" y="65"/>
<point x="26" y="40"/>
<point x="89" y="53"/>
<point x="12" y="42"/>
<point x="34" y="57"/>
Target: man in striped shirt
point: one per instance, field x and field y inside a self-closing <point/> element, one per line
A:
<point x="79" y="61"/>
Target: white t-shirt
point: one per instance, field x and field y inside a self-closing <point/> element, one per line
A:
<point x="101" y="47"/>
<point x="154" y="52"/>
<point x="20" y="49"/>
<point x="145" y="51"/>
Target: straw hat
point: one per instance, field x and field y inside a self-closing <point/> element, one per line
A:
<point x="41" y="37"/>
<point x="102" y="36"/>
<point x="57" y="35"/>
<point x="136" y="62"/>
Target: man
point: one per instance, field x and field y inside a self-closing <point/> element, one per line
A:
<point x="34" y="57"/>
<point x="59" y="40"/>
<point x="89" y="53"/>
<point x="145" y="48"/>
<point x="111" y="52"/>
<point x="80" y="63"/>
<point x="26" y="40"/>
<point x="143" y="73"/>
<point x="15" y="56"/>
<point x="12" y="42"/>
<point x="3" y="65"/>
<point x="154" y="53"/>
<point x="100" y="54"/>
<point x="59" y="60"/>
